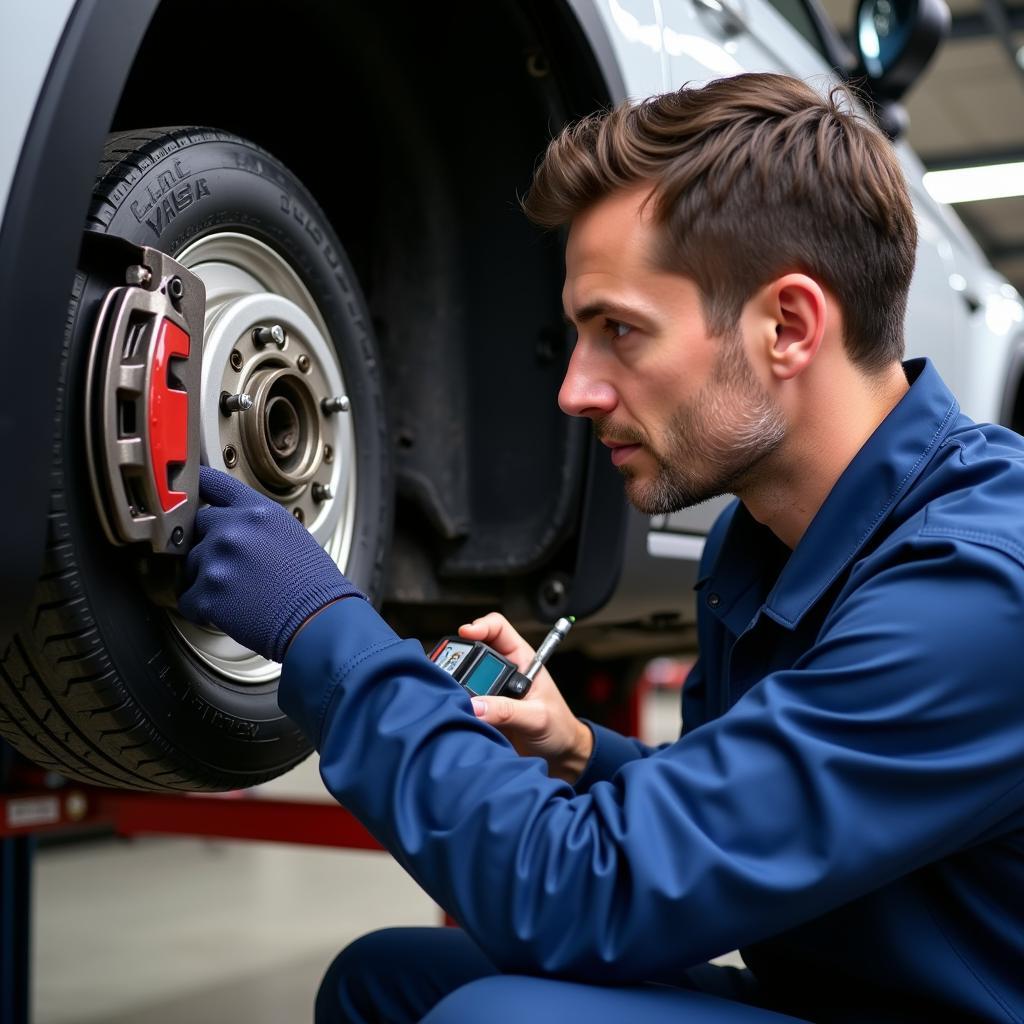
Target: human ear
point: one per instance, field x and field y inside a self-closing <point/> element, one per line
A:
<point x="797" y="305"/>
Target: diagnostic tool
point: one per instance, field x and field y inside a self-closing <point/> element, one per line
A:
<point x="482" y="671"/>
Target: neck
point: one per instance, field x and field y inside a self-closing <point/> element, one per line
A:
<point x="831" y="414"/>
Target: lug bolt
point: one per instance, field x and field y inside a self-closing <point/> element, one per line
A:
<point x="303" y="363"/>
<point x="328" y="454"/>
<point x="138" y="275"/>
<point x="236" y="360"/>
<point x="339" y="403"/>
<point x="263" y="336"/>
<point x="230" y="456"/>
<point x="175" y="288"/>
<point x="234" y="403"/>
<point x="322" y="492"/>
<point x="299" y="514"/>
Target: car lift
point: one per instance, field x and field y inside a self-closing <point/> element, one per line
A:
<point x="28" y="809"/>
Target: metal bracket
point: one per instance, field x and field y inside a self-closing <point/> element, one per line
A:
<point x="142" y="398"/>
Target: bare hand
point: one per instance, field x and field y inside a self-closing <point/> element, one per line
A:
<point x="541" y="724"/>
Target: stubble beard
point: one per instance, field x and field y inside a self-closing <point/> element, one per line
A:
<point x="717" y="444"/>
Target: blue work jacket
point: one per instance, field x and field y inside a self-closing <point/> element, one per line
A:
<point x="845" y="804"/>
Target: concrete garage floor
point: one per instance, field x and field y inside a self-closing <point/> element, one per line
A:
<point x="183" y="931"/>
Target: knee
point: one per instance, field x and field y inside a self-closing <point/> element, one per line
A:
<point x="351" y="986"/>
<point x="497" y="999"/>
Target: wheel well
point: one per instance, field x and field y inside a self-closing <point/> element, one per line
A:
<point x="416" y="132"/>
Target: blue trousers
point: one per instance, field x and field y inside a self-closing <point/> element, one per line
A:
<point x="440" y="976"/>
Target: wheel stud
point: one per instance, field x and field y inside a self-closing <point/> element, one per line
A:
<point x="234" y="403"/>
<point x="339" y="403"/>
<point x="263" y="336"/>
<point x="299" y="514"/>
<point x="230" y="456"/>
<point x="322" y="492"/>
<point x="303" y="363"/>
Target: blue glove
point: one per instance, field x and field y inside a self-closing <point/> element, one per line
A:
<point x="255" y="571"/>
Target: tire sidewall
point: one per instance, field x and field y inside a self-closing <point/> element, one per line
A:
<point x="191" y="184"/>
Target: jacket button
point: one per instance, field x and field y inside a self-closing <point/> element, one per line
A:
<point x="714" y="600"/>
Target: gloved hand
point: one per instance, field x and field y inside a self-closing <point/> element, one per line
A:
<point x="255" y="572"/>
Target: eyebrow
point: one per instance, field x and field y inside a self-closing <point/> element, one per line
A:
<point x="602" y="307"/>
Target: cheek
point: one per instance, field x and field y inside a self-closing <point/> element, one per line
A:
<point x="667" y="390"/>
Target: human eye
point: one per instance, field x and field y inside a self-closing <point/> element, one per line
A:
<point x="615" y="328"/>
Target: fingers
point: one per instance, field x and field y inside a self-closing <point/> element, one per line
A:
<point x="189" y="599"/>
<point x="525" y="717"/>
<point x="205" y="519"/>
<point x="494" y="629"/>
<point x="219" y="488"/>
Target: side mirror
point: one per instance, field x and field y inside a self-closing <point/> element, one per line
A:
<point x="895" y="40"/>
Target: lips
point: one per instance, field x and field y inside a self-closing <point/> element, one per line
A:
<point x="621" y="452"/>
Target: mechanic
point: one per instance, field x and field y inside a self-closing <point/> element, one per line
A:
<point x="845" y="804"/>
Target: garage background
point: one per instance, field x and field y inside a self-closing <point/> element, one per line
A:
<point x="232" y="931"/>
<point x="967" y="110"/>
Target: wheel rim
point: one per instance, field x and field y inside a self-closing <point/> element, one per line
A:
<point x="286" y="445"/>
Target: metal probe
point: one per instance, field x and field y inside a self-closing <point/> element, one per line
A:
<point x="551" y="641"/>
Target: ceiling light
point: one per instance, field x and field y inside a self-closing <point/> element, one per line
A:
<point x="972" y="184"/>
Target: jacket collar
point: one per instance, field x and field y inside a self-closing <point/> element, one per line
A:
<point x="861" y="500"/>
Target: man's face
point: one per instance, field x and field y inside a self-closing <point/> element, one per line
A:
<point x="682" y="410"/>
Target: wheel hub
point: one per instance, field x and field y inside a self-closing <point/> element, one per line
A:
<point x="266" y="339"/>
<point x="281" y="435"/>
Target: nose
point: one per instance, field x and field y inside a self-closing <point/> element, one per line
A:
<point x="585" y="391"/>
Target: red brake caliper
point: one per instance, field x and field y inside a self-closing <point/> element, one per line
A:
<point x="168" y="414"/>
<point x="142" y="433"/>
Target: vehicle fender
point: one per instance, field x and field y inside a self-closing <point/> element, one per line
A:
<point x="625" y="37"/>
<point x="47" y="200"/>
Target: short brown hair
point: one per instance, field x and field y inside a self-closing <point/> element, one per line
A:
<point x="753" y="176"/>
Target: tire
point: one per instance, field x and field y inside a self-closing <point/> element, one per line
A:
<point x="99" y="683"/>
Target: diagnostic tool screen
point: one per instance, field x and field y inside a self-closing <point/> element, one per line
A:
<point x="486" y="670"/>
<point x="451" y="657"/>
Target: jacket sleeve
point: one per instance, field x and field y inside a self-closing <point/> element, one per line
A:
<point x="891" y="743"/>
<point x="611" y="751"/>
